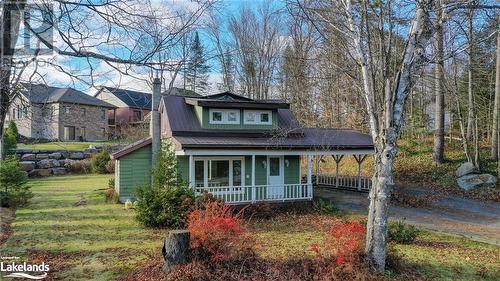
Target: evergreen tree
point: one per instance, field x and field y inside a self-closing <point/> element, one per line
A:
<point x="197" y="70"/>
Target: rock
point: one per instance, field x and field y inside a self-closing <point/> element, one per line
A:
<point x="466" y="169"/>
<point x="175" y="249"/>
<point x="64" y="154"/>
<point x="90" y="150"/>
<point x="40" y="173"/>
<point x="473" y="181"/>
<point x="47" y="163"/>
<point x="59" y="171"/>
<point x="87" y="155"/>
<point x="42" y="156"/>
<point x="28" y="157"/>
<point x="63" y="162"/>
<point x="76" y="155"/>
<point x="55" y="155"/>
<point x="27" y="165"/>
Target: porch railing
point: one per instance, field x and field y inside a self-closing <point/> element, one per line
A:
<point x="349" y="182"/>
<point x="251" y="194"/>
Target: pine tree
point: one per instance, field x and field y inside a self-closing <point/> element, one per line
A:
<point x="197" y="70"/>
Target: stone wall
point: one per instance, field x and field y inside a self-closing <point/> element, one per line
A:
<point x="42" y="163"/>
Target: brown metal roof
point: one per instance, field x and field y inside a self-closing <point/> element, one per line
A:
<point x="184" y="121"/>
<point x="131" y="148"/>
<point x="310" y="139"/>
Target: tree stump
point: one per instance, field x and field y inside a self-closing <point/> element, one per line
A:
<point x="175" y="249"/>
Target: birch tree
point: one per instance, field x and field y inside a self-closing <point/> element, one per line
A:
<point x="494" y="130"/>
<point x="438" y="88"/>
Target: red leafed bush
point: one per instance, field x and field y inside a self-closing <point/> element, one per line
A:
<point x="344" y="242"/>
<point x="217" y="233"/>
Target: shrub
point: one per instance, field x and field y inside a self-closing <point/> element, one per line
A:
<point x="344" y="242"/>
<point x="157" y="207"/>
<point x="217" y="233"/>
<point x="325" y="207"/>
<point x="100" y="161"/>
<point x="14" y="191"/>
<point x="112" y="196"/>
<point x="79" y="166"/>
<point x="204" y="199"/>
<point x="110" y="166"/>
<point x="111" y="183"/>
<point x="403" y="233"/>
<point x="10" y="138"/>
<point x="166" y="202"/>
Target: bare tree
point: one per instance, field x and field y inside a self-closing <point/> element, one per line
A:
<point x="127" y="36"/>
<point x="438" y="88"/>
<point x="494" y="130"/>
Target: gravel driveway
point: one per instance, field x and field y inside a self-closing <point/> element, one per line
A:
<point x="450" y="214"/>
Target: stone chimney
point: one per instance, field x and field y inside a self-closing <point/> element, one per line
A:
<point x="154" y="124"/>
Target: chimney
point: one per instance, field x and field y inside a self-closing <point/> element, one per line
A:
<point x="154" y="124"/>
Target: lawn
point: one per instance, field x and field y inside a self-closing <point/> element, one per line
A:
<point x="69" y="225"/>
<point x="69" y="145"/>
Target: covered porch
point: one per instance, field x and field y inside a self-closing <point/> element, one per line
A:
<point x="250" y="176"/>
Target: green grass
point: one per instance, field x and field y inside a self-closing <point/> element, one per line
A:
<point x="102" y="241"/>
<point x="69" y="145"/>
<point x="94" y="241"/>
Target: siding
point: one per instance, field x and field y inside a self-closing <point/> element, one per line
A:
<point x="133" y="170"/>
<point x="292" y="172"/>
<point x="183" y="167"/>
<point x="206" y="124"/>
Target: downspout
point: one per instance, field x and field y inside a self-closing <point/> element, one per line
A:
<point x="154" y="125"/>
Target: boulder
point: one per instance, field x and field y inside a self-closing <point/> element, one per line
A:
<point x="473" y="181"/>
<point x="76" y="155"/>
<point x="175" y="249"/>
<point x="64" y="154"/>
<point x="47" y="163"/>
<point x="90" y="150"/>
<point x="28" y="157"/>
<point x="63" y="162"/>
<point x="59" y="171"/>
<point x="42" y="156"/>
<point x="40" y="173"/>
<point x="27" y="165"/>
<point x="55" y="155"/>
<point x="466" y="169"/>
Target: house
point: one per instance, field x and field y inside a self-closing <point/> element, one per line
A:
<point x="240" y="149"/>
<point x="132" y="107"/>
<point x="52" y="113"/>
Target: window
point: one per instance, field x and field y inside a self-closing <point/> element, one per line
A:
<point x="13" y="113"/>
<point x="66" y="109"/>
<point x="84" y="111"/>
<point x="103" y="114"/>
<point x="19" y="112"/>
<point x="136" y="115"/>
<point x="257" y="117"/>
<point x="83" y="132"/>
<point x="224" y="116"/>
<point x="219" y="172"/>
<point x="25" y="111"/>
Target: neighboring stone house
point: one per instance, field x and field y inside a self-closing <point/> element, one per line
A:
<point x="52" y="113"/>
<point x="132" y="107"/>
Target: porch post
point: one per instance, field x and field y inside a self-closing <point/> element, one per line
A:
<point x="359" y="159"/>
<point x="318" y="161"/>
<point x="253" y="178"/>
<point x="309" y="175"/>
<point x="191" y="171"/>
<point x="337" y="159"/>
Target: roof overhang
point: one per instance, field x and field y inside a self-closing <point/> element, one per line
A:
<point x="238" y="104"/>
<point x="131" y="148"/>
<point x="236" y="152"/>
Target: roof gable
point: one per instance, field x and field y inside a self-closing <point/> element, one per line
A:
<point x="132" y="98"/>
<point x="228" y="96"/>
<point x="39" y="93"/>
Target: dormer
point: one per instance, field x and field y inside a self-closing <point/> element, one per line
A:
<point x="229" y="111"/>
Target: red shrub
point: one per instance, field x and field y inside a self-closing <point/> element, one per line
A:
<point x="344" y="242"/>
<point x="217" y="233"/>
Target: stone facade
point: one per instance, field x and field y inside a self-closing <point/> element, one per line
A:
<point x="59" y="121"/>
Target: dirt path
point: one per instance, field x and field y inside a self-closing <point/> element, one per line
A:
<point x="451" y="214"/>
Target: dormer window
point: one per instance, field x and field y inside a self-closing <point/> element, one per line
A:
<point x="258" y="117"/>
<point x="224" y="116"/>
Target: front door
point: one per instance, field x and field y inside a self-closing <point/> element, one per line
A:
<point x="275" y="176"/>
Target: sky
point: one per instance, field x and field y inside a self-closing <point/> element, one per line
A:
<point x="104" y="74"/>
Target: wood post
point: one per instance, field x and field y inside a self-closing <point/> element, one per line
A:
<point x="175" y="249"/>
<point x="359" y="159"/>
<point x="191" y="172"/>
<point x="309" y="175"/>
<point x="337" y="159"/>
